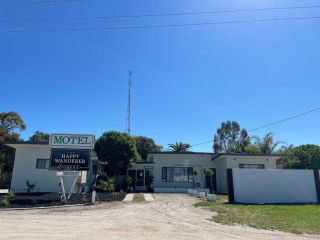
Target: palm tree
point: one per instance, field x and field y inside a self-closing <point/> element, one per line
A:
<point x="266" y="145"/>
<point x="179" y="147"/>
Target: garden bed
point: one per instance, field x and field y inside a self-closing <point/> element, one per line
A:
<point x="54" y="199"/>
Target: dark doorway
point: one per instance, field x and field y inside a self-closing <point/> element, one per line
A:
<point x="212" y="183"/>
<point x="140" y="178"/>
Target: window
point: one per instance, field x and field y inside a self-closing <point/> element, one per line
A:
<point x="177" y="174"/>
<point x="43" y="163"/>
<point x="252" y="166"/>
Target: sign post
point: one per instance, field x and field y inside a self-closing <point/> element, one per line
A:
<point x="70" y="154"/>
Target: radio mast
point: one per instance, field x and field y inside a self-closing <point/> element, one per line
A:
<point x="128" y="121"/>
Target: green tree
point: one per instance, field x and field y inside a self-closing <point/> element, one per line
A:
<point x="118" y="150"/>
<point x="146" y="145"/>
<point x="39" y="136"/>
<point x="179" y="147"/>
<point x="265" y="145"/>
<point x="301" y="157"/>
<point x="11" y="124"/>
<point x="230" y="138"/>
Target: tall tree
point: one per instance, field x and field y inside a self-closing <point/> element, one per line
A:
<point x="230" y="138"/>
<point x="179" y="147"/>
<point x="118" y="150"/>
<point x="265" y="145"/>
<point x="39" y="136"/>
<point x="11" y="124"/>
<point x="301" y="157"/>
<point x="146" y="145"/>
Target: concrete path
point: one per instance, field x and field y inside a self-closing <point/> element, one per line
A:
<point x="128" y="197"/>
<point x="148" y="197"/>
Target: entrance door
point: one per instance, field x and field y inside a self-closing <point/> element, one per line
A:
<point x="140" y="178"/>
<point x="212" y="183"/>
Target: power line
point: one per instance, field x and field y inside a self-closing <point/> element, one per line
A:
<point x="156" y="26"/>
<point x="39" y="2"/>
<point x="156" y="15"/>
<point x="284" y="120"/>
<point x="270" y="124"/>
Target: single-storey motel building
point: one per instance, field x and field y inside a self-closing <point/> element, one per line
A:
<point x="171" y="171"/>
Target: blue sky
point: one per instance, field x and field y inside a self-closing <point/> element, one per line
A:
<point x="186" y="80"/>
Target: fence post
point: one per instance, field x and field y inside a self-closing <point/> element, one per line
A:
<point x="230" y="185"/>
<point x="317" y="182"/>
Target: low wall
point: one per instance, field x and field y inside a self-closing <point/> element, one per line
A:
<point x="274" y="186"/>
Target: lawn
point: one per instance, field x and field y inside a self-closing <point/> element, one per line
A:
<point x="287" y="218"/>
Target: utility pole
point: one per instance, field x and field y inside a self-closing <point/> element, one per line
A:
<point x="128" y="121"/>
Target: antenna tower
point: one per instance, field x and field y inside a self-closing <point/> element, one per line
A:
<point x="128" y="120"/>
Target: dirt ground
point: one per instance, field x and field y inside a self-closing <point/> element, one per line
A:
<point x="171" y="216"/>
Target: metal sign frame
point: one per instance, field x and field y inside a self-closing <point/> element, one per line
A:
<point x="61" y="174"/>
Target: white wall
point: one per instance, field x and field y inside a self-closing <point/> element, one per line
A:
<point x="274" y="186"/>
<point x="25" y="169"/>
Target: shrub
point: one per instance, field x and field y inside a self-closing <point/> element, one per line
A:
<point x="114" y="194"/>
<point x="10" y="195"/>
<point x="84" y="199"/>
<point x="127" y="183"/>
<point x="30" y="186"/>
<point x="4" y="203"/>
<point x="106" y="185"/>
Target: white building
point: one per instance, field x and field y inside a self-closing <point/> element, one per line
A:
<point x="32" y="163"/>
<point x="173" y="172"/>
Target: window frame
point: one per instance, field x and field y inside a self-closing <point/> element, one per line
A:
<point x="259" y="165"/>
<point x="188" y="170"/>
<point x="46" y="163"/>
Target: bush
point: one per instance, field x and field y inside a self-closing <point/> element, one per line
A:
<point x="30" y="186"/>
<point x="4" y="203"/>
<point x="127" y="183"/>
<point x="106" y="185"/>
<point x="114" y="194"/>
<point x="10" y="195"/>
<point x="4" y="180"/>
<point x="84" y="199"/>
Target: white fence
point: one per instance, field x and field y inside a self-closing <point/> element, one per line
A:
<point x="274" y="186"/>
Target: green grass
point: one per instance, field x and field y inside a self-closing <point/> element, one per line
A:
<point x="287" y="218"/>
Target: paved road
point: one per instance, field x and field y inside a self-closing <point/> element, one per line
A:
<point x="171" y="216"/>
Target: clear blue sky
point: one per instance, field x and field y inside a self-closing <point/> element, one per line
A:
<point x="186" y="80"/>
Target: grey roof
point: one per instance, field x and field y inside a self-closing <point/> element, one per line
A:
<point x="217" y="155"/>
<point x="26" y="142"/>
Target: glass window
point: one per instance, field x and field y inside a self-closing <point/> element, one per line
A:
<point x="252" y="166"/>
<point x="177" y="174"/>
<point x="43" y="163"/>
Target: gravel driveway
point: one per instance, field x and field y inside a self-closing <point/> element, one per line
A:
<point x="171" y="216"/>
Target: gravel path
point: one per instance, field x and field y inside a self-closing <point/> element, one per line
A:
<point x="171" y="216"/>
